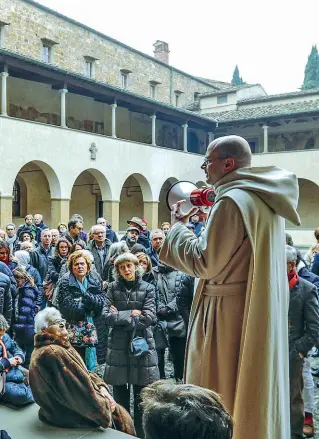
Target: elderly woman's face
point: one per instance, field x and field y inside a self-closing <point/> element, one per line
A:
<point x="80" y="267"/>
<point x="62" y="228"/>
<point x="127" y="270"/>
<point x="58" y="328"/>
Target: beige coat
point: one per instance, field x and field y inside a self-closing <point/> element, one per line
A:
<point x="238" y="334"/>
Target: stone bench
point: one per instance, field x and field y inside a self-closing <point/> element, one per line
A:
<point x="24" y="423"/>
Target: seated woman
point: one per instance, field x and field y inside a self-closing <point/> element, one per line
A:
<point x="11" y="357"/>
<point x="68" y="394"/>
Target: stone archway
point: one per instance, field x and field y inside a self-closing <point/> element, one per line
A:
<point x="89" y="191"/>
<point x="308" y="205"/>
<point x="163" y="211"/>
<point x="131" y="201"/>
<point x="37" y="183"/>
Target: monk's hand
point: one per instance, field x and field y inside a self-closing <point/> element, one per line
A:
<point x="178" y="216"/>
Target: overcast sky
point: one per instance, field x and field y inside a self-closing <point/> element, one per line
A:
<point x="270" y="40"/>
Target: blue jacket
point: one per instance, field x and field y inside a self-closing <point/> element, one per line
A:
<point x="111" y="235"/>
<point x="315" y="265"/>
<point x="198" y="227"/>
<point x="27" y="305"/>
<point x="309" y="276"/>
<point x="4" y="269"/>
<point x="6" y="299"/>
<point x="153" y="255"/>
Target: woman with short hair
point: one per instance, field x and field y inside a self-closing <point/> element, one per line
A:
<point x="130" y="305"/>
<point x="75" y="398"/>
<point x="115" y="250"/>
<point x="80" y="300"/>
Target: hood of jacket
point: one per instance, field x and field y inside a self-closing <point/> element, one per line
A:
<point x="277" y="187"/>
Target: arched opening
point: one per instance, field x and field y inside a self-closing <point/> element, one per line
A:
<point x="88" y="192"/>
<point x="164" y="213"/>
<point x="32" y="191"/>
<point x="308" y="206"/>
<point x="193" y="144"/>
<point x="131" y="200"/>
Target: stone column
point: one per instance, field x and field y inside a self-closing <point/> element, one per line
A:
<point x="63" y="92"/>
<point x="60" y="211"/>
<point x="4" y="76"/>
<point x="185" y="126"/>
<point x="153" y="117"/>
<point x="114" y="120"/>
<point x="151" y="214"/>
<point x="211" y="137"/>
<point x="265" y="128"/>
<point x="5" y="210"/>
<point x="111" y="211"/>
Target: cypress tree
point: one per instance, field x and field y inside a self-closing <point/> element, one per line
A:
<point x="311" y="79"/>
<point x="237" y="80"/>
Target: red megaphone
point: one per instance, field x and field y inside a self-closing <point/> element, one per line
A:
<point x="194" y="196"/>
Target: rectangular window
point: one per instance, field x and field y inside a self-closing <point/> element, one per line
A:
<point x="153" y="91"/>
<point x="177" y="96"/>
<point x="46" y="53"/>
<point x="124" y="80"/>
<point x="89" y="68"/>
<point x="196" y="96"/>
<point x="222" y="99"/>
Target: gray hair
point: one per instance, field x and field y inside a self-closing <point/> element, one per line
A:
<point x="25" y="244"/>
<point x="116" y="249"/>
<point x="39" y="214"/>
<point x="78" y="217"/>
<point x="99" y="219"/>
<point x="11" y="224"/>
<point x="97" y="226"/>
<point x="4" y="326"/>
<point x="126" y="257"/>
<point x="157" y="231"/>
<point x="45" y="231"/>
<point x="23" y="257"/>
<point x="46" y="317"/>
<point x="291" y="254"/>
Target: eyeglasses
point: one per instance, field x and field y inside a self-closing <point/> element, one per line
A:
<point x="209" y="161"/>
<point x="60" y="322"/>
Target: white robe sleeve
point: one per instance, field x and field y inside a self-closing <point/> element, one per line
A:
<point x="205" y="257"/>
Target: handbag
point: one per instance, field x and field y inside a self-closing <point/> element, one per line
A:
<point x="82" y="334"/>
<point x="3" y="373"/>
<point x="161" y="336"/>
<point x="138" y="345"/>
<point x="176" y="327"/>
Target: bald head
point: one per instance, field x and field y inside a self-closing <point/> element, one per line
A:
<point x="235" y="147"/>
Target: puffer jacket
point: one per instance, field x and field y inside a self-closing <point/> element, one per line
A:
<point x="169" y="283"/>
<point x="4" y="269"/>
<point x="37" y="280"/>
<point x="27" y="304"/>
<point x="75" y="306"/>
<point x="16" y="392"/>
<point x="121" y="367"/>
<point x="97" y="260"/>
<point x="184" y="297"/>
<point x="6" y="299"/>
<point x="303" y="318"/>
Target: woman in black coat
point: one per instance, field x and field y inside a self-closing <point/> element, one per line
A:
<point x="61" y="253"/>
<point x="130" y="304"/>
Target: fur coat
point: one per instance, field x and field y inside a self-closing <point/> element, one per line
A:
<point x="68" y="394"/>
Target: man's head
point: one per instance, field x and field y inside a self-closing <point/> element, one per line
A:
<point x="184" y="412"/>
<point x="11" y="230"/>
<point x="101" y="222"/>
<point x="144" y="222"/>
<point x="291" y="258"/>
<point x="37" y="219"/>
<point x="28" y="219"/>
<point x="195" y="219"/>
<point x="46" y="238"/>
<point x="2" y="234"/>
<point x="78" y="217"/>
<point x="224" y="155"/>
<point x="99" y="234"/>
<point x="132" y="235"/>
<point x="165" y="227"/>
<point x="55" y="235"/>
<point x="75" y="227"/>
<point x="157" y="239"/>
<point x="136" y="222"/>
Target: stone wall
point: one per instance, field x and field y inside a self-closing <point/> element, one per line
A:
<point x="30" y="24"/>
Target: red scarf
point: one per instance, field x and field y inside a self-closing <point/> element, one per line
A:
<point x="6" y="260"/>
<point x="293" y="279"/>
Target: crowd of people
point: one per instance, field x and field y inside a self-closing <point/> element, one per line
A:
<point x="108" y="292"/>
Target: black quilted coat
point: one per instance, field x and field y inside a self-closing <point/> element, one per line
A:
<point x="121" y="367"/>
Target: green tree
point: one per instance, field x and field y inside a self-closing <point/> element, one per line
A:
<point x="311" y="79"/>
<point x="237" y="80"/>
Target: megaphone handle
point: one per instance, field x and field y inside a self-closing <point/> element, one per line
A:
<point x="178" y="216"/>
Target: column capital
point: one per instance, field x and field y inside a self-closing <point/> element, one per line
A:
<point x="4" y="74"/>
<point x="111" y="201"/>
<point x="151" y="202"/>
<point x="113" y="106"/>
<point x="265" y="126"/>
<point x="63" y="90"/>
<point x="153" y="116"/>
<point x="185" y="125"/>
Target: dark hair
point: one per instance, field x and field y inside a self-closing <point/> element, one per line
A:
<point x="57" y="246"/>
<point x="4" y="244"/>
<point x="79" y="242"/>
<point x="184" y="412"/>
<point x="317" y="233"/>
<point x="138" y="248"/>
<point x="289" y="240"/>
<point x="72" y="223"/>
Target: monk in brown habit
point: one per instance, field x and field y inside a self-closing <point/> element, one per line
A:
<point x="238" y="333"/>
